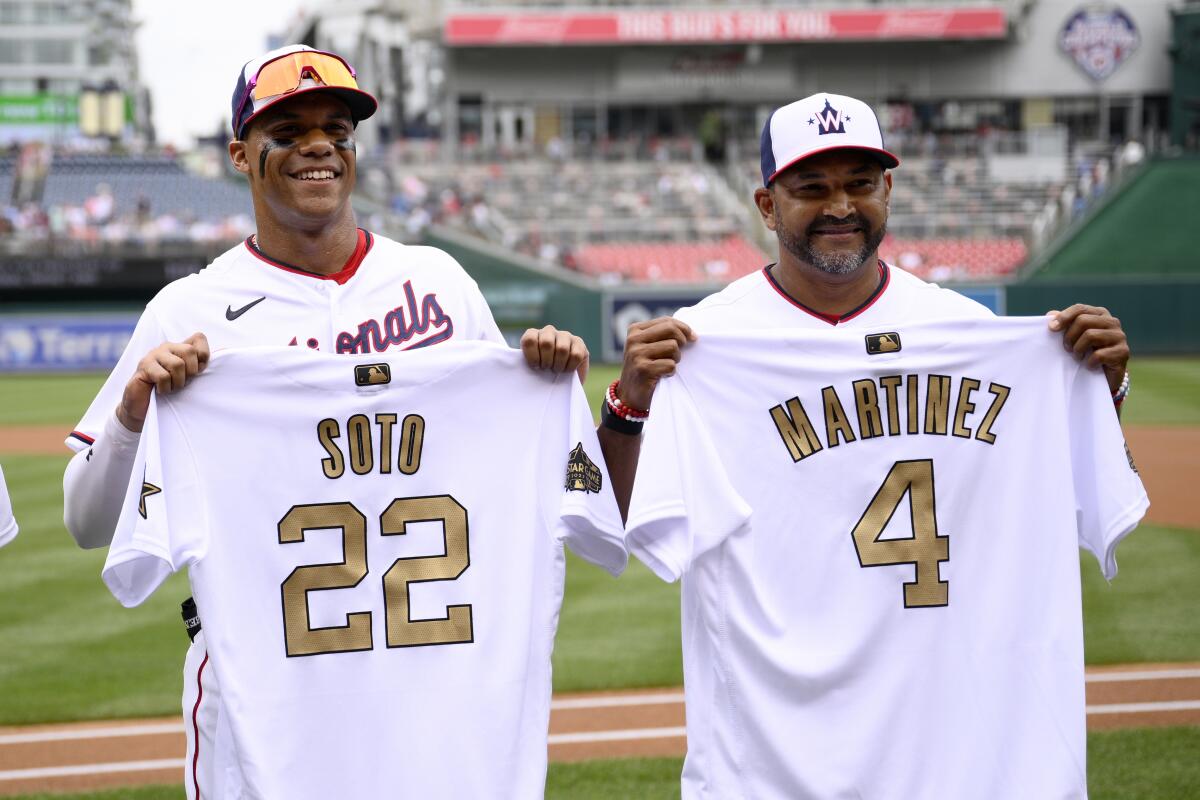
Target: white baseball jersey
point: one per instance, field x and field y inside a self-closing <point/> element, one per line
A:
<point x="8" y="523"/>
<point x="399" y="297"/>
<point x="756" y="301"/>
<point x="376" y="544"/>
<point x="878" y="536"/>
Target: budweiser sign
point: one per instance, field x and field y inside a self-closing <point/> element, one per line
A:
<point x="704" y="26"/>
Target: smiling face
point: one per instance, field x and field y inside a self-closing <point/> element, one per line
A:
<point x="829" y="211"/>
<point x="299" y="156"/>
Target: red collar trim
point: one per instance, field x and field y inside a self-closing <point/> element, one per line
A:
<point x="365" y="241"/>
<point x="885" y="278"/>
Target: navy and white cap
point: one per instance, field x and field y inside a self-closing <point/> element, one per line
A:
<point x="245" y="107"/>
<point x="815" y="125"/>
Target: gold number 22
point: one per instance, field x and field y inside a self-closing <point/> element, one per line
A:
<point x="402" y="631"/>
<point x="925" y="548"/>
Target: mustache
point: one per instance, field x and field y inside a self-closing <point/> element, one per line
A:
<point x="827" y="222"/>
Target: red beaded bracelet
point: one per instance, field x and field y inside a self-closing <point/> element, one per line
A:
<point x="620" y="409"/>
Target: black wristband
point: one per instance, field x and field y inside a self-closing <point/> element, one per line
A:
<point x="191" y="619"/>
<point x="619" y="424"/>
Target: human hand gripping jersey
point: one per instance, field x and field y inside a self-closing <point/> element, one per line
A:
<point x="377" y="546"/>
<point x="878" y="537"/>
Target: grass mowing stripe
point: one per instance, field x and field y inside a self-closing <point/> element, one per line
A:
<point x="141" y="793"/>
<point x="1122" y="765"/>
<point x="58" y="399"/>
<point x="71" y="652"/>
<point x="1164" y="391"/>
<point x="1143" y="764"/>
<point x="1148" y="612"/>
<point x="617" y="634"/>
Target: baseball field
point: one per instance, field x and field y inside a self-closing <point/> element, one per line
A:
<point x="89" y="691"/>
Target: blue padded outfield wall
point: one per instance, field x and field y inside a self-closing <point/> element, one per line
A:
<point x="57" y="342"/>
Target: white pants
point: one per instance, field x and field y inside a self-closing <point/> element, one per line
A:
<point x="210" y="770"/>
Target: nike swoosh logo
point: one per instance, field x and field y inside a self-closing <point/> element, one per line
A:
<point x="231" y="315"/>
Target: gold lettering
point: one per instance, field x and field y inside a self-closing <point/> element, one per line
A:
<point x="835" y="418"/>
<point x="333" y="466"/>
<point x="358" y="434"/>
<point x="412" y="439"/>
<point x="964" y="406"/>
<point x="890" y="383"/>
<point x="937" y="404"/>
<point x="984" y="432"/>
<point x="914" y="425"/>
<point x="866" y="400"/>
<point x="795" y="429"/>
<point x="385" y="423"/>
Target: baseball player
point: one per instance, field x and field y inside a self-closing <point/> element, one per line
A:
<point x="759" y="633"/>
<point x="309" y="277"/>
<point x="8" y="523"/>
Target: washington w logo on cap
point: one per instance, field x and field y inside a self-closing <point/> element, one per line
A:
<point x="830" y="120"/>
<point x="796" y="131"/>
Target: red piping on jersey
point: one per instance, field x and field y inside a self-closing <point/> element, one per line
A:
<point x="196" y="724"/>
<point x="83" y="437"/>
<point x="365" y="241"/>
<point x="885" y="278"/>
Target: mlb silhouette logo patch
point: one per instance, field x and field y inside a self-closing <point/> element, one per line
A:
<point x="372" y="374"/>
<point x="829" y="120"/>
<point x="882" y="343"/>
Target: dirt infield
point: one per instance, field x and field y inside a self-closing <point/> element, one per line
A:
<point x="1167" y="457"/>
<point x="95" y="755"/>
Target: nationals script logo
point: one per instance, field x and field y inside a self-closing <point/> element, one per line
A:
<point x="1099" y="39"/>
<point x="412" y="325"/>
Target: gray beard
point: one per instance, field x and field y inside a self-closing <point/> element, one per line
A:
<point x="837" y="263"/>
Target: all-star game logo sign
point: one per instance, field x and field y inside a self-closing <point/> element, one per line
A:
<point x="1099" y="39"/>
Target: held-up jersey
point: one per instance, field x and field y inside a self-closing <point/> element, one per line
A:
<point x="377" y="545"/>
<point x="878" y="537"/>
<point x="8" y="523"/>
<point x="399" y="297"/>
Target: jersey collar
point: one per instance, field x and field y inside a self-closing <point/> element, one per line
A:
<point x="365" y="240"/>
<point x="885" y="278"/>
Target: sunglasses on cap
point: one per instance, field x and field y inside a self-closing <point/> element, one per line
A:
<point x="284" y="75"/>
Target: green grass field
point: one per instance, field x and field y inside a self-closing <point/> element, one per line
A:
<point x="71" y="652"/>
<point x="1149" y="764"/>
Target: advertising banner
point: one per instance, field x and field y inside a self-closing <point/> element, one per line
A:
<point x="720" y="26"/>
<point x="640" y="306"/>
<point x="61" y="343"/>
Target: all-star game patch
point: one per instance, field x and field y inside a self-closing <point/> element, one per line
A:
<point x="1129" y="455"/>
<point x="372" y="374"/>
<point x="882" y="343"/>
<point x="582" y="474"/>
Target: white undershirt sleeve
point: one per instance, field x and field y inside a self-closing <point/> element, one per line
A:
<point x="95" y="482"/>
<point x="8" y="523"/>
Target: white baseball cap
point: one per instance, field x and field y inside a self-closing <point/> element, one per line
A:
<point x="816" y="124"/>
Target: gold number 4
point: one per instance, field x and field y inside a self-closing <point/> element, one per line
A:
<point x="925" y="548"/>
<point x="402" y="631"/>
